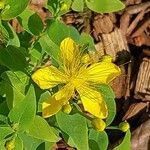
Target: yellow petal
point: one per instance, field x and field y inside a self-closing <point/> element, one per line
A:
<point x="68" y="49"/>
<point x="70" y="54"/>
<point x="51" y="107"/>
<point x="48" y="77"/>
<point x="102" y="72"/>
<point x="65" y="93"/>
<point x="55" y="102"/>
<point x="98" y="124"/>
<point x="93" y="102"/>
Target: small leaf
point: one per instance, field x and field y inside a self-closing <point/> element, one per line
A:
<point x="18" y="143"/>
<point x="29" y="142"/>
<point x="4" y="110"/>
<point x="75" y="126"/>
<point x="15" y="86"/>
<point x="98" y="140"/>
<point x="35" y="24"/>
<point x="52" y="6"/>
<point x="58" y="31"/>
<point x="40" y="129"/>
<point x="10" y="34"/>
<point x="13" y="8"/>
<point x="23" y="19"/>
<point x="109" y="98"/>
<point x="126" y="144"/>
<point x="50" y="48"/>
<point x="104" y="6"/>
<point x="88" y="41"/>
<point x="4" y="32"/>
<point x="2" y="145"/>
<point x="13" y="58"/>
<point x="3" y="119"/>
<point x="24" y="112"/>
<point x="78" y="5"/>
<point x="5" y="131"/>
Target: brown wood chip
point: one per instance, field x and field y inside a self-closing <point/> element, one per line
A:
<point x="134" y="109"/>
<point x="141" y="137"/>
<point x="103" y="24"/>
<point x="113" y="43"/>
<point x="142" y="88"/>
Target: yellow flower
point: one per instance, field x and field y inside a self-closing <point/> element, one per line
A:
<point x="75" y="76"/>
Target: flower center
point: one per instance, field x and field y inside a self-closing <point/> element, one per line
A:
<point x="77" y="79"/>
<point x="77" y="82"/>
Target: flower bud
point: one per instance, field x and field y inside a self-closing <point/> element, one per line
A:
<point x="64" y="7"/>
<point x="67" y="108"/>
<point x="124" y="126"/>
<point x="2" y="4"/>
<point x="10" y="145"/>
<point x="98" y="124"/>
<point x="106" y="58"/>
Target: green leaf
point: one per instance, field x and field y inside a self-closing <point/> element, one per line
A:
<point x="4" y="35"/>
<point x="42" y="98"/>
<point x="50" y="48"/>
<point x="13" y="58"/>
<point x="23" y="19"/>
<point x="78" y="5"/>
<point x="5" y="131"/>
<point x="105" y="6"/>
<point x="15" y="86"/>
<point x="2" y="89"/>
<point x="4" y="108"/>
<point x="52" y="6"/>
<point x="10" y="34"/>
<point x="18" y="143"/>
<point x="2" y="145"/>
<point x="126" y="143"/>
<point x="98" y="140"/>
<point x="88" y="41"/>
<point x="109" y="98"/>
<point x="40" y="129"/>
<point x="57" y="31"/>
<point x="35" y="24"/>
<point x="36" y="53"/>
<point x="24" y="112"/>
<point x="3" y="119"/>
<point x="75" y="126"/>
<point x="49" y="146"/>
<point x="13" y="8"/>
<point x="29" y="142"/>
